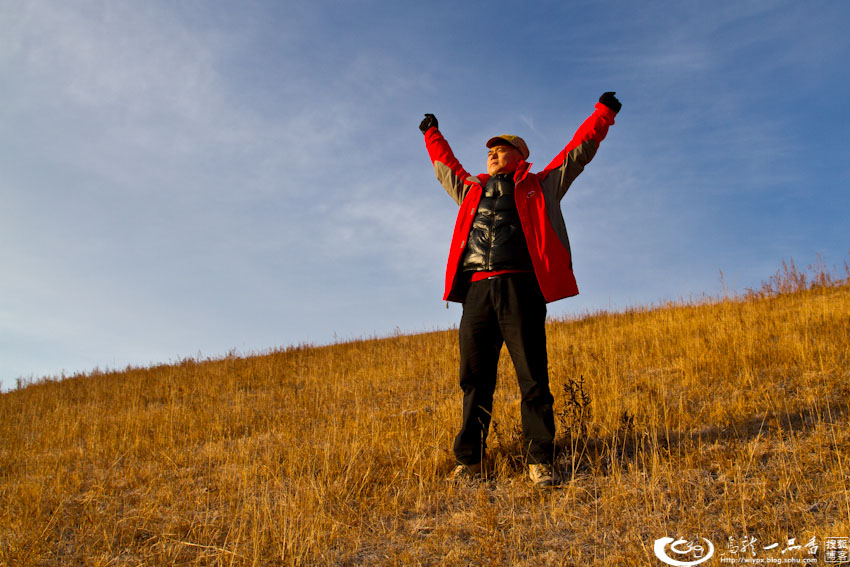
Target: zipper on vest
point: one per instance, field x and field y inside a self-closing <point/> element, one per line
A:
<point x="491" y="237"/>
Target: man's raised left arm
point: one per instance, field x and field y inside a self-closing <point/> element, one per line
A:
<point x="557" y="177"/>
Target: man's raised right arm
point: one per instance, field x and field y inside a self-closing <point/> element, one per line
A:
<point x="451" y="175"/>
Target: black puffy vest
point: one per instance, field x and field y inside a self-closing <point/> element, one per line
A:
<point x="496" y="241"/>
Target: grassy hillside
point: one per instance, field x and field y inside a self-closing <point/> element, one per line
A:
<point x="718" y="419"/>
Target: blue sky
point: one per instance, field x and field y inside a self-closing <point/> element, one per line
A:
<point x="194" y="178"/>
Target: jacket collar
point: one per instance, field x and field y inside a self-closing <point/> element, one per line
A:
<point x="522" y="170"/>
<point x="520" y="173"/>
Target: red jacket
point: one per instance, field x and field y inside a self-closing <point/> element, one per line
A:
<point x="538" y="201"/>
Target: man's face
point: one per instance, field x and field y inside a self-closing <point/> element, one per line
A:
<point x="503" y="159"/>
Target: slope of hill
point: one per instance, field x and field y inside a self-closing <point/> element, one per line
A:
<point x="725" y="420"/>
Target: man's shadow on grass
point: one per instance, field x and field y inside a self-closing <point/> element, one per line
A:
<point x="632" y="445"/>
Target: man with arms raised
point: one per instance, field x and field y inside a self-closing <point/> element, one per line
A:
<point x="509" y="257"/>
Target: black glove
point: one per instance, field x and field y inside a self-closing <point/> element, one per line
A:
<point x="609" y="100"/>
<point x="430" y="120"/>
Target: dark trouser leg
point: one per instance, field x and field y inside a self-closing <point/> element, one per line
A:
<point x="480" y="342"/>
<point x="521" y="310"/>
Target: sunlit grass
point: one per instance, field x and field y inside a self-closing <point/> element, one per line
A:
<point x="720" y="418"/>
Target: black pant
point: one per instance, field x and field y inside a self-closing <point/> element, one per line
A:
<point x="509" y="309"/>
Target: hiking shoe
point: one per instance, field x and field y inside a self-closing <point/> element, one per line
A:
<point x="465" y="473"/>
<point x="542" y="476"/>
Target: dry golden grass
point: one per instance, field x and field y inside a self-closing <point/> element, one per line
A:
<point x="720" y="418"/>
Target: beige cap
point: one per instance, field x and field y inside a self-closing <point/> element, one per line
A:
<point x="510" y="140"/>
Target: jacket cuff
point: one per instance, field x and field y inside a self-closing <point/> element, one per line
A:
<point x="605" y="112"/>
